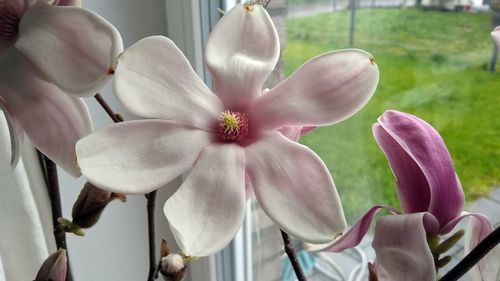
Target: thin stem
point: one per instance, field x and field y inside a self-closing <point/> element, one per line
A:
<point x="485" y="246"/>
<point x="290" y="251"/>
<point x="114" y="116"/>
<point x="55" y="201"/>
<point x="52" y="182"/>
<point x="151" y="197"/>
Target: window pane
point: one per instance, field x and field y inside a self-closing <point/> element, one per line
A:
<point x="435" y="62"/>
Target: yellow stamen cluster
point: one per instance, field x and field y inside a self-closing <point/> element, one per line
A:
<point x="229" y="121"/>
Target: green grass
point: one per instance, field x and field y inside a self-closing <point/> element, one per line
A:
<point x="432" y="64"/>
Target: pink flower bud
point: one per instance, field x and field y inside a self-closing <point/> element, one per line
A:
<point x="54" y="267"/>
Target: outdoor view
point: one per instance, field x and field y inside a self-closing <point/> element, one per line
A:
<point x="435" y="62"/>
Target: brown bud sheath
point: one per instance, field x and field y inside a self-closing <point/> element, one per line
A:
<point x="164" y="250"/>
<point x="90" y="204"/>
<point x="54" y="267"/>
<point x="372" y="276"/>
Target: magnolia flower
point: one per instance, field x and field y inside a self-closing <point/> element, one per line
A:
<point x="431" y="197"/>
<point x="47" y="51"/>
<point x="228" y="138"/>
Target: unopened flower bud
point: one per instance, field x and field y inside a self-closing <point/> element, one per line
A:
<point x="54" y="267"/>
<point x="173" y="267"/>
<point x="90" y="204"/>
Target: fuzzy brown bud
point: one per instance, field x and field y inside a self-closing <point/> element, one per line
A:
<point x="54" y="267"/>
<point x="173" y="267"/>
<point x="90" y="204"/>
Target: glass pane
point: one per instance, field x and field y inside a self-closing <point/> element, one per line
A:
<point x="435" y="62"/>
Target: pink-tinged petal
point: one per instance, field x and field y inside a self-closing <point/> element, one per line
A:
<point x="209" y="207"/>
<point x="292" y="133"/>
<point x="412" y="186"/>
<point x="20" y="6"/>
<point x="53" y="120"/>
<point x="355" y="234"/>
<point x="488" y="269"/>
<point x="425" y="147"/>
<point x="495" y="34"/>
<point x="294" y="187"/>
<point x="77" y="3"/>
<point x="11" y="12"/>
<point x="400" y="244"/>
<point x="241" y="52"/>
<point x="16" y="135"/>
<point x="154" y="79"/>
<point x="74" y="47"/>
<point x="137" y="157"/>
<point x="325" y="90"/>
<point x="307" y="130"/>
<point x="248" y="187"/>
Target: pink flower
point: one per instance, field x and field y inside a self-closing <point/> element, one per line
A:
<point x="47" y="51"/>
<point x="228" y="139"/>
<point x="431" y="197"/>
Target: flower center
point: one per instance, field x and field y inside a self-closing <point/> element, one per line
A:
<point x="9" y="21"/>
<point x="232" y="126"/>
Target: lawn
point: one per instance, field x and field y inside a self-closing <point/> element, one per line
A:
<point x="432" y="64"/>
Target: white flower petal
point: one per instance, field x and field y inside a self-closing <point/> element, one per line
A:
<point x="16" y="135"/>
<point x="488" y="269"/>
<point x="154" y="79"/>
<point x="241" y="52"/>
<point x="209" y="207"/>
<point x="400" y="243"/>
<point x="137" y="157"/>
<point x="74" y="47"/>
<point x="325" y="90"/>
<point x="53" y="120"/>
<point x="295" y="189"/>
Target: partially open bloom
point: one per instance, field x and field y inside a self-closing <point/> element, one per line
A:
<point x="431" y="197"/>
<point x="228" y="139"/>
<point x="54" y="267"/>
<point x="48" y="49"/>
